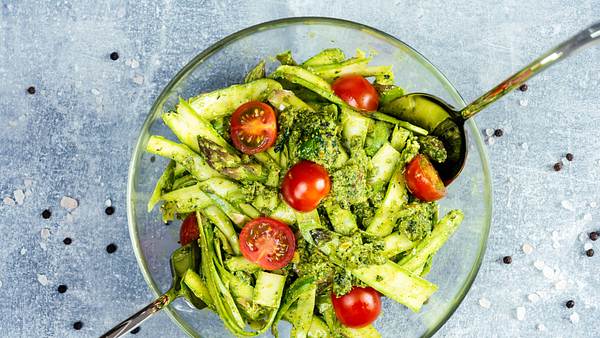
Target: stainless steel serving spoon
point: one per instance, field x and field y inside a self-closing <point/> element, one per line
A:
<point x="182" y="259"/>
<point x="443" y="120"/>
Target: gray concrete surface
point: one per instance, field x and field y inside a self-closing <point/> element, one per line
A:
<point x="73" y="137"/>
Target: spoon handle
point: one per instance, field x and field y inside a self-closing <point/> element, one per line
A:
<point x="581" y="39"/>
<point x="136" y="319"/>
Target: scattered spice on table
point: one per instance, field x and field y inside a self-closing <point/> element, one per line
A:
<point x="589" y="252"/>
<point x="569" y="157"/>
<point x="136" y="330"/>
<point x="523" y="87"/>
<point x="570" y="304"/>
<point x="67" y="241"/>
<point x="152" y="159"/>
<point x="498" y="132"/>
<point x="31" y="90"/>
<point x="46" y="214"/>
<point x="114" y="56"/>
<point x="557" y="166"/>
<point x="62" y="288"/>
<point x="111" y="248"/>
<point x="78" y="325"/>
<point x="507" y="259"/>
<point x="109" y="210"/>
<point x="593" y="235"/>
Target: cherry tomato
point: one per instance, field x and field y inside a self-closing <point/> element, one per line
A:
<point x="423" y="180"/>
<point x="358" y="308"/>
<point x="189" y="230"/>
<point x="268" y="243"/>
<point x="357" y="92"/>
<point x="305" y="185"/>
<point x="253" y="127"/>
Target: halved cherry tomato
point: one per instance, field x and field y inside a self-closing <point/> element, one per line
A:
<point x="189" y="230"/>
<point x="268" y="243"/>
<point x="305" y="185"/>
<point x="357" y="92"/>
<point x="358" y="308"/>
<point x="253" y="127"/>
<point x="423" y="180"/>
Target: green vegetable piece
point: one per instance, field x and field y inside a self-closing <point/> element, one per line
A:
<point x="379" y="134"/>
<point x="388" y="93"/>
<point x="433" y="148"/>
<point x="218" y="218"/>
<point x="368" y="331"/>
<point x="387" y="214"/>
<point x="179" y="170"/>
<point x="230" y="164"/>
<point x="399" y="137"/>
<point x="272" y="167"/>
<point x="355" y="128"/>
<point x="416" y="220"/>
<point x="324" y="57"/>
<point x="284" y="213"/>
<point x="314" y="137"/>
<point x="289" y="106"/>
<point x="384" y="162"/>
<point x="432" y="243"/>
<point x="303" y="292"/>
<point x="180" y="153"/>
<point x="224" y="101"/>
<point x="356" y="65"/>
<point x="304" y="311"/>
<point x="184" y="181"/>
<point x="310" y="81"/>
<point x="286" y="58"/>
<point x="342" y="220"/>
<point x="396" y="243"/>
<point x="235" y="214"/>
<point x="163" y="185"/>
<point x="268" y="289"/>
<point x="349" y="184"/>
<point x="197" y="286"/>
<point x="406" y="125"/>
<point x="258" y="72"/>
<point x="188" y="199"/>
<point x="416" y="110"/>
<point x="225" y="188"/>
<point x="241" y="263"/>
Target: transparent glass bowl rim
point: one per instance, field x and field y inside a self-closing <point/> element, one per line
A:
<point x="139" y="147"/>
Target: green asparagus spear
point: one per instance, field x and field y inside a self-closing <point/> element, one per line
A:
<point x="230" y="164"/>
<point x="258" y="72"/>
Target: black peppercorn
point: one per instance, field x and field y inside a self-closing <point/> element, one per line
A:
<point x="109" y="210"/>
<point x="523" y="87"/>
<point x="570" y="304"/>
<point x="62" y="288"/>
<point x="557" y="166"/>
<point x="114" y="56"/>
<point x="78" y="325"/>
<point x="46" y="214"/>
<point x="569" y="157"/>
<point x="31" y="90"/>
<point x="589" y="252"/>
<point x="498" y="132"/>
<point x="507" y="259"/>
<point x="112" y="247"/>
<point x="136" y="330"/>
<point x="593" y="235"/>
<point x="67" y="241"/>
<point x="152" y="159"/>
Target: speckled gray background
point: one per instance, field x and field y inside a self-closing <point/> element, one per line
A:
<point x="75" y="135"/>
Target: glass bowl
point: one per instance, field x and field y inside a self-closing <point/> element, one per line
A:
<point x="225" y="63"/>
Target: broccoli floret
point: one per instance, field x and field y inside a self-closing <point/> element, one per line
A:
<point x="417" y="219"/>
<point x="433" y="148"/>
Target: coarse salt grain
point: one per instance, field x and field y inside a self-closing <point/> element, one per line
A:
<point x="560" y="285"/>
<point x="95" y="91"/>
<point x="28" y="183"/>
<point x="23" y="251"/>
<point x="565" y="161"/>
<point x="42" y="279"/>
<point x="43" y="246"/>
<point x="9" y="201"/>
<point x="19" y="196"/>
<point x="527" y="248"/>
<point x="538" y="264"/>
<point x="68" y="202"/>
<point x="489" y="132"/>
<point x="555" y="235"/>
<point x="583" y="236"/>
<point x="593" y="204"/>
<point x="524" y="146"/>
<point x="134" y="63"/>
<point x="541" y="327"/>
<point x="574" y="317"/>
<point x="555" y="244"/>
<point x="523" y="102"/>
<point x="520" y="313"/>
<point x="138" y="79"/>
<point x="533" y="297"/>
<point x="485" y="303"/>
<point x="587" y="217"/>
<point x="108" y="203"/>
<point x="490" y="140"/>
<point x="548" y="272"/>
<point x="45" y="233"/>
<point x="587" y="246"/>
<point x="567" y="205"/>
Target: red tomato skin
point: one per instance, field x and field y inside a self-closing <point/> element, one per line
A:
<point x="305" y="185"/>
<point x="423" y="181"/>
<point x="189" y="231"/>
<point x="357" y="92"/>
<point x="243" y="125"/>
<point x="275" y="228"/>
<point x="358" y="308"/>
